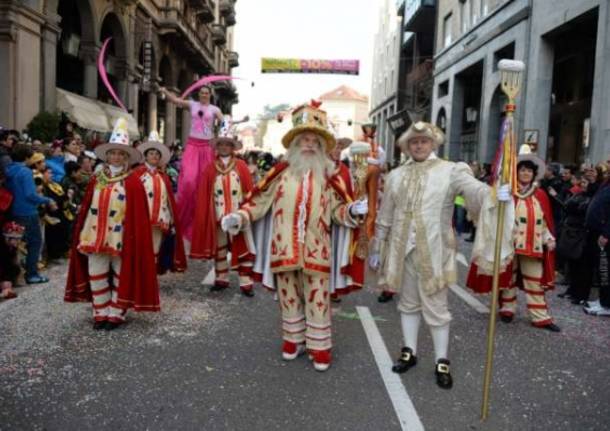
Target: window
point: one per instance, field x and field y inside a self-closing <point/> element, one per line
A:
<point x="465" y="14"/>
<point x="443" y="88"/>
<point x="447" y="30"/>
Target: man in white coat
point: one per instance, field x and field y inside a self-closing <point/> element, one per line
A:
<point x="415" y="222"/>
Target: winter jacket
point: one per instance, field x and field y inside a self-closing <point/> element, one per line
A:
<point x="20" y="182"/>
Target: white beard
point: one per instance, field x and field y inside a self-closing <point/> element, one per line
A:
<point x="300" y="164"/>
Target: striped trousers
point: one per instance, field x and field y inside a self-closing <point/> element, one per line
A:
<point x="306" y="312"/>
<point x="104" y="274"/>
<point x="531" y="273"/>
<point x="222" y="266"/>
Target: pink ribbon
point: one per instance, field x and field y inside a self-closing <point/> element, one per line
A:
<point x="104" y="75"/>
<point x="204" y="81"/>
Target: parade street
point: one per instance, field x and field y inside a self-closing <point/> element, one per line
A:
<point x="212" y="361"/>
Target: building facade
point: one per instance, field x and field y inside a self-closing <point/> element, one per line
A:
<point x="563" y="106"/>
<point x="346" y="111"/>
<point x="386" y="58"/>
<point x="49" y="50"/>
<point x="415" y="77"/>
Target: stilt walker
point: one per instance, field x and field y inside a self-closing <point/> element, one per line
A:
<point x="161" y="205"/>
<point x="223" y="188"/>
<point x="112" y="262"/>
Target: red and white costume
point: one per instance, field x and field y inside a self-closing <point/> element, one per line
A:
<point x="223" y="188"/>
<point x="112" y="261"/>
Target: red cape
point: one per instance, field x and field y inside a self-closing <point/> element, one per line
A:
<point x="178" y="258"/>
<point x="138" y="287"/>
<point x="481" y="283"/>
<point x="205" y="223"/>
<point x="356" y="267"/>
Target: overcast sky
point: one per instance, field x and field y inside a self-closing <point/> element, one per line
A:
<point x="324" y="29"/>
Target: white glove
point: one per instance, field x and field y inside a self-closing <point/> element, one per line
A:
<point x="231" y="223"/>
<point x="373" y="161"/>
<point x="359" y="208"/>
<point x="504" y="193"/>
<point x="374" y="261"/>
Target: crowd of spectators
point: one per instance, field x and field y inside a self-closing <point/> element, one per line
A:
<point x="41" y="189"/>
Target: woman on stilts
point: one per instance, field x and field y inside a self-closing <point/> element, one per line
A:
<point x="198" y="153"/>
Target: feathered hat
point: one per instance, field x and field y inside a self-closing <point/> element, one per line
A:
<point x="154" y="143"/>
<point x="425" y="130"/>
<point x="119" y="140"/>
<point x="309" y="118"/>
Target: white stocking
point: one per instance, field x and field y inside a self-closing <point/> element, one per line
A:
<point x="410" y="328"/>
<point x="440" y="339"/>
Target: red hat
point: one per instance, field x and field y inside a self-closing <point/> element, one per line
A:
<point x="13" y="230"/>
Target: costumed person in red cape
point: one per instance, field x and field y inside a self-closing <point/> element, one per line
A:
<point x="223" y="188"/>
<point x="533" y="266"/>
<point x="303" y="196"/>
<point x="377" y="159"/>
<point x="347" y="271"/>
<point x="166" y="231"/>
<point x="112" y="262"/>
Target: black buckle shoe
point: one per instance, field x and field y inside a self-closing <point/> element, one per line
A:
<point x="443" y="376"/>
<point x="99" y="325"/>
<point x="407" y="360"/>
<point x="385" y="297"/>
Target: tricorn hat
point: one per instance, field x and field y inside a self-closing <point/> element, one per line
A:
<point x="423" y="129"/>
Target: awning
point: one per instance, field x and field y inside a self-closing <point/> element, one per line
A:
<point x="114" y="112"/>
<point x="92" y="114"/>
<point x="85" y="112"/>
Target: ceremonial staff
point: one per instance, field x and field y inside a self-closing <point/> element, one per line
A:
<point x="359" y="152"/>
<point x="510" y="75"/>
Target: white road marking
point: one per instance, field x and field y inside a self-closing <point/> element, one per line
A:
<point x="210" y="278"/>
<point x="407" y="416"/>
<point x="463" y="294"/>
<point x="469" y="299"/>
<point x="462" y="259"/>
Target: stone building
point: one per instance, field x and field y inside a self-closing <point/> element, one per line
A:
<point x="49" y="49"/>
<point x="347" y="110"/>
<point x="563" y="106"/>
<point x="386" y="57"/>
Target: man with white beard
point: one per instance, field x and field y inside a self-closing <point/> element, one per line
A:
<point x="303" y="196"/>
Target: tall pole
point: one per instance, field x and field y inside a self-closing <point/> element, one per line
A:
<point x="511" y="72"/>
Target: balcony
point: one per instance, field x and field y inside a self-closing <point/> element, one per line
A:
<point x="219" y="34"/>
<point x="419" y="15"/>
<point x="196" y="40"/>
<point x="421" y="72"/>
<point x="233" y="58"/>
<point x="204" y="9"/>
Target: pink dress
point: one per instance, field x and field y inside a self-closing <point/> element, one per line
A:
<point x="198" y="155"/>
